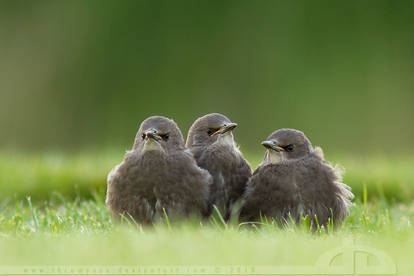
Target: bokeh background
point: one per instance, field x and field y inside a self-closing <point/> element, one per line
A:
<point x="78" y="75"/>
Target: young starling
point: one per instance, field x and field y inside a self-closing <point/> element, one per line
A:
<point x="157" y="174"/>
<point x="210" y="139"/>
<point x="294" y="180"/>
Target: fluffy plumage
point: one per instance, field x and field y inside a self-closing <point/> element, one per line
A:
<point x="294" y="180"/>
<point x="211" y="141"/>
<point x="158" y="173"/>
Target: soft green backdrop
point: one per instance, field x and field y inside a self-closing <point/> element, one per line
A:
<point x="78" y="75"/>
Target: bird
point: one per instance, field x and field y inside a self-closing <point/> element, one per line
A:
<point x="212" y="144"/>
<point x="294" y="181"/>
<point x="157" y="177"/>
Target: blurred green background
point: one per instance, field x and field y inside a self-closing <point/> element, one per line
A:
<point x="78" y="75"/>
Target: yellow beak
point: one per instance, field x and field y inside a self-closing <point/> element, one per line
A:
<point x="225" y="128"/>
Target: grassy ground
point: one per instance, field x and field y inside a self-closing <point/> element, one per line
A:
<point x="65" y="222"/>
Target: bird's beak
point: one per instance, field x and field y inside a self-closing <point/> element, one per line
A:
<point x="269" y="144"/>
<point x="225" y="128"/>
<point x="152" y="134"/>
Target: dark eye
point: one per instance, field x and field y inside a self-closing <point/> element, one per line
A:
<point x="288" y="148"/>
<point x="143" y="136"/>
<point x="211" y="131"/>
<point x="165" y="137"/>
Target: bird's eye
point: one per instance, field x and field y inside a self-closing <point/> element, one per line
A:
<point x="143" y="136"/>
<point x="165" y="136"/>
<point x="211" y="131"/>
<point x="288" y="148"/>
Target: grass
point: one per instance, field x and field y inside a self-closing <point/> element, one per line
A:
<point x="80" y="232"/>
<point x="52" y="213"/>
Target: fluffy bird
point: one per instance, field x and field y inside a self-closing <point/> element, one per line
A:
<point x="294" y="180"/>
<point x="158" y="175"/>
<point x="211" y="141"/>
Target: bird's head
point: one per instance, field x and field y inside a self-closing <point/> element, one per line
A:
<point x="209" y="129"/>
<point x="158" y="133"/>
<point x="286" y="144"/>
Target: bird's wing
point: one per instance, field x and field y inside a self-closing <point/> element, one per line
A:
<point x="337" y="172"/>
<point x="110" y="185"/>
<point x="230" y="173"/>
<point x="237" y="183"/>
<point x="112" y="173"/>
<point x="218" y="191"/>
<point x="186" y="190"/>
<point x="270" y="195"/>
<point x="323" y="192"/>
<point x="124" y="196"/>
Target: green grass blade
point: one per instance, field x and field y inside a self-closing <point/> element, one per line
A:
<point x="34" y="216"/>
